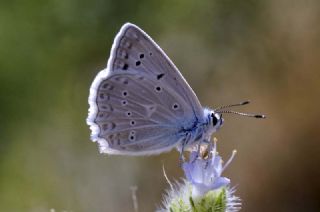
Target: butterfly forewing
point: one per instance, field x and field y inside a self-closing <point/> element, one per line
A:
<point x="135" y="50"/>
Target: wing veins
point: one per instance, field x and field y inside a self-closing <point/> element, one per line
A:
<point x="137" y="128"/>
<point x="138" y="104"/>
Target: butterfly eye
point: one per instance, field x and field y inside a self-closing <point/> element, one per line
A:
<point x="214" y="119"/>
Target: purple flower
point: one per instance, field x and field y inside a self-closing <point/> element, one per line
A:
<point x="204" y="189"/>
<point x="205" y="174"/>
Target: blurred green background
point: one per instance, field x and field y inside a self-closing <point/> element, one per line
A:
<point x="267" y="51"/>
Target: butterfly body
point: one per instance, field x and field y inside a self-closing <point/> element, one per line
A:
<point x="141" y="104"/>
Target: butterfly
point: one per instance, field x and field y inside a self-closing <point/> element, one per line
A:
<point x="140" y="104"/>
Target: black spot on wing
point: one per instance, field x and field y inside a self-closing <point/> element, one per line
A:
<point x="159" y="76"/>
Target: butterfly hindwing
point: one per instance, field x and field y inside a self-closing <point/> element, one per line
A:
<point x="138" y="113"/>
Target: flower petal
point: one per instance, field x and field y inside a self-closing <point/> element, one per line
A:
<point x="220" y="182"/>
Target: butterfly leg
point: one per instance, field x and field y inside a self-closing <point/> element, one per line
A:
<point x="181" y="156"/>
<point x="184" y="143"/>
<point x="204" y="153"/>
<point x="199" y="150"/>
<point x="209" y="152"/>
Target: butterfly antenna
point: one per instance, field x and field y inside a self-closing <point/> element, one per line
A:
<point x="232" y="105"/>
<point x="258" y="116"/>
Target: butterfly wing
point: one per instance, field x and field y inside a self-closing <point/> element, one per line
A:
<point x="140" y="103"/>
<point x="134" y="49"/>
<point x="134" y="117"/>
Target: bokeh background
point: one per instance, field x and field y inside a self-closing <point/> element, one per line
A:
<point x="267" y="51"/>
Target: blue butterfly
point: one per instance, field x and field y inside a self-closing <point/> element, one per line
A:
<point x="140" y="104"/>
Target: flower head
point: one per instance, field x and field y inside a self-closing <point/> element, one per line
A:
<point x="204" y="188"/>
<point x="205" y="174"/>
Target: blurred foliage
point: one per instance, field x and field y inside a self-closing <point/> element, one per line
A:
<point x="267" y="51"/>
